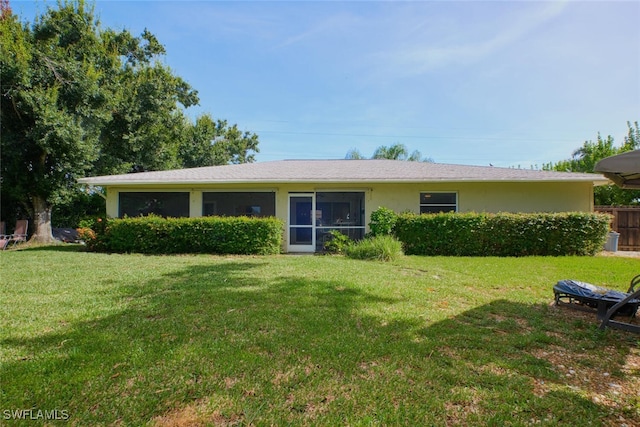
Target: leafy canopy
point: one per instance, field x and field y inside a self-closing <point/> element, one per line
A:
<point x="79" y="100"/>
<point x="393" y="152"/>
<point x="585" y="158"/>
<point x="55" y="99"/>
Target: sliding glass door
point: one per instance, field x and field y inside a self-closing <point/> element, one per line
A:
<point x="313" y="216"/>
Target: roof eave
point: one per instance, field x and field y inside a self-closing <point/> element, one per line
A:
<point x="89" y="181"/>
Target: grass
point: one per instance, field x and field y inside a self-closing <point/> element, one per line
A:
<point x="308" y="340"/>
<point x="379" y="248"/>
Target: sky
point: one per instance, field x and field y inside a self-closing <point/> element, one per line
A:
<point x="507" y="83"/>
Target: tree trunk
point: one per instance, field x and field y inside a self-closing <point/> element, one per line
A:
<point x="42" y="221"/>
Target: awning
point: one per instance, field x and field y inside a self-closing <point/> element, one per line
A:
<point x="623" y="169"/>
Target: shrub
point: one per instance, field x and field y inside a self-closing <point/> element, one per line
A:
<point x="78" y="206"/>
<point x="219" y="235"/>
<point x="503" y="234"/>
<point x="383" y="220"/>
<point x="441" y="234"/>
<point x="86" y="234"/>
<point x="91" y="230"/>
<point x="338" y="242"/>
<point x="381" y="248"/>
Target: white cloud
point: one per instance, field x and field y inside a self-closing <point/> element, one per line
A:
<point x="327" y="27"/>
<point x="422" y="56"/>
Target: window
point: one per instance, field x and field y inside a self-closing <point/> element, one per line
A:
<point x="436" y="202"/>
<point x="238" y="203"/>
<point x="173" y="204"/>
<point x="341" y="211"/>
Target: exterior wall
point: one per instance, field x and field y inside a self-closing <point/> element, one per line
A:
<point x="472" y="197"/>
<point x="195" y="198"/>
<point x="489" y="197"/>
<point x="492" y="197"/>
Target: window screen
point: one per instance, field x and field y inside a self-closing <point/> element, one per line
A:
<point x="170" y="204"/>
<point x="239" y="203"/>
<point x="436" y="202"/>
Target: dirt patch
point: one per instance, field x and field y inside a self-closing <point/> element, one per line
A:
<point x="605" y="376"/>
<point x="580" y="373"/>
<point x="194" y="415"/>
<point x="623" y="254"/>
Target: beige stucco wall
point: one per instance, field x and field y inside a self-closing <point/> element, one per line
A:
<point x="492" y="197"/>
<point x="472" y="197"/>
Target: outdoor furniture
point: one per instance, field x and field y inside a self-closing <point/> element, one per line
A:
<point x="624" y="170"/>
<point x="606" y="302"/>
<point x="633" y="294"/>
<point x="4" y="239"/>
<point x="19" y="234"/>
<point x="66" y="235"/>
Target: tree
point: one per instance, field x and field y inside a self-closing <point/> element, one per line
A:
<point x="393" y="152"/>
<point x="80" y="100"/>
<point x="209" y="142"/>
<point x="354" y="154"/>
<point x="632" y="139"/>
<point x="585" y="158"/>
<point x="53" y="105"/>
<point x="234" y="146"/>
<point x="5" y="9"/>
<point x="147" y="122"/>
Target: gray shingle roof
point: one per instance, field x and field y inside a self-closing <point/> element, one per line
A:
<point x="340" y="171"/>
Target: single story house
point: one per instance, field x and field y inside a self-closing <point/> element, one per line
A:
<point x="313" y="197"/>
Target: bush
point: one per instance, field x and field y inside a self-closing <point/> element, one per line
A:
<point x="381" y="248"/>
<point x="383" y="220"/>
<point x="216" y="235"/>
<point x="338" y="242"/>
<point x="503" y="234"/>
<point x="92" y="232"/>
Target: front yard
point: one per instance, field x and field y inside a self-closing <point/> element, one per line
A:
<point x="308" y="340"/>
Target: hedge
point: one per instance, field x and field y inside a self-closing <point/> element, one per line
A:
<point x="214" y="235"/>
<point x="503" y="234"/>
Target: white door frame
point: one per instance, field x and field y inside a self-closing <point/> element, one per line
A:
<point x="293" y="228"/>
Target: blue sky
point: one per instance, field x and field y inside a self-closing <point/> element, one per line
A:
<point x="508" y="83"/>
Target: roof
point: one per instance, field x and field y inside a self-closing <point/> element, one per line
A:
<point x="340" y="171"/>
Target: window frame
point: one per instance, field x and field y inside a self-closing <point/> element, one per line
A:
<point x="454" y="205"/>
<point x="249" y="209"/>
<point x="185" y="194"/>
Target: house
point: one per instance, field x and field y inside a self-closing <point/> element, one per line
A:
<point x="313" y="197"/>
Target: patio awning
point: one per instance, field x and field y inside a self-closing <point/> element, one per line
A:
<point x="623" y="169"/>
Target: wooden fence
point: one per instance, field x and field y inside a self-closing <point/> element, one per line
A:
<point x="626" y="221"/>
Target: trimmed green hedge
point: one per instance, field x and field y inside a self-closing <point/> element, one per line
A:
<point x="214" y="235"/>
<point x="503" y="234"/>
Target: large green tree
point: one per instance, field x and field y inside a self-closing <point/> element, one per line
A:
<point x="585" y="158"/>
<point x="147" y="121"/>
<point x="54" y="103"/>
<point x="80" y="100"/>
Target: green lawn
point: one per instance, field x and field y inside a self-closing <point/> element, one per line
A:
<point x="309" y="340"/>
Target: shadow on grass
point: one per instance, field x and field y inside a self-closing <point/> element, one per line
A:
<point x="218" y="344"/>
<point x="56" y="247"/>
